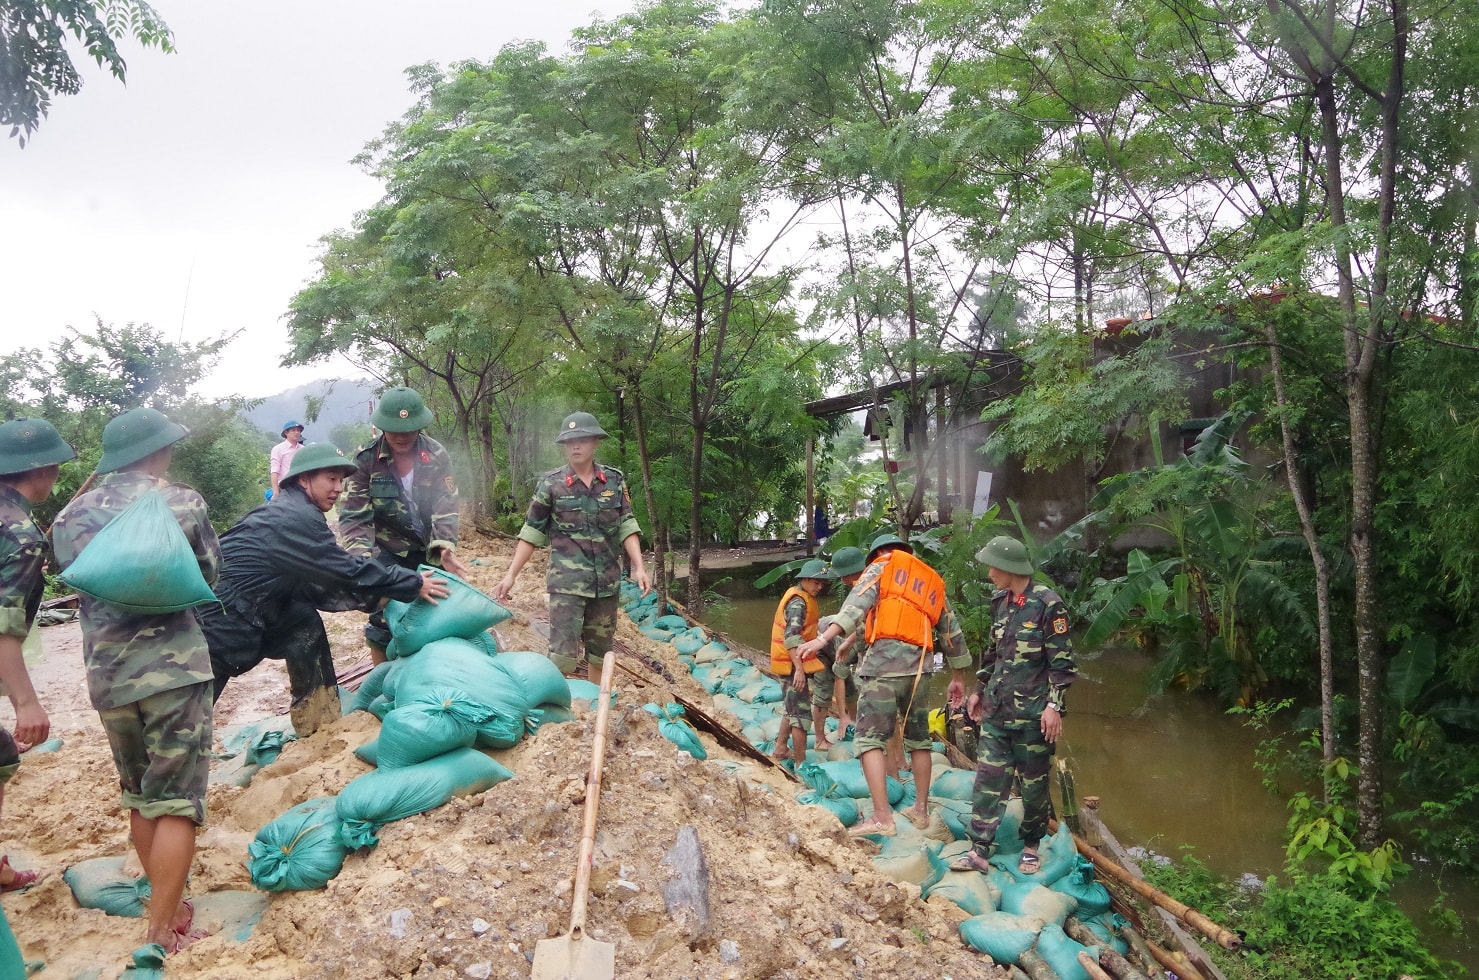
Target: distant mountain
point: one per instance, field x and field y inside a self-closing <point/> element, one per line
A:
<point x="346" y="402"/>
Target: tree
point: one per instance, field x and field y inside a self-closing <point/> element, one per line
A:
<point x="35" y="64"/>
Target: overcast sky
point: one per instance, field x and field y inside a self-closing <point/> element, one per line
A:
<point x="193" y="197"/>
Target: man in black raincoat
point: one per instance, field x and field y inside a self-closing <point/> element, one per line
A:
<point x="280" y="566"/>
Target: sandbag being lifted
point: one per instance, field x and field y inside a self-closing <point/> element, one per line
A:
<point x="141" y="562"/>
<point x="465" y="612"/>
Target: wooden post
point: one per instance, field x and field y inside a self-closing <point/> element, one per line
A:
<point x="942" y="461"/>
<point x="811" y="496"/>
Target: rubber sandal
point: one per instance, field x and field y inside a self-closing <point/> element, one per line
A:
<point x="970" y="861"/>
<point x="871" y="829"/>
<point x="185" y="935"/>
<point x="22" y="879"/>
<point x="1029" y="863"/>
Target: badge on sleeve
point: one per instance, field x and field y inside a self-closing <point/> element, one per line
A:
<point x="1060" y="626"/>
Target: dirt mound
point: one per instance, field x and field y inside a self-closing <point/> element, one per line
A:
<point x="468" y="889"/>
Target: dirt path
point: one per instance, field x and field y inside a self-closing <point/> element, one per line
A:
<point x="467" y="890"/>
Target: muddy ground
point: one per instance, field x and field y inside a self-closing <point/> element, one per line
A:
<point x="467" y="890"/>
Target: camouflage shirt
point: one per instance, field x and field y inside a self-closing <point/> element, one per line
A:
<point x="795" y="613"/>
<point x="376" y="516"/>
<point x="584" y="527"/>
<point x="1029" y="661"/>
<point x="896" y="658"/>
<point x="23" y="554"/>
<point x="130" y="656"/>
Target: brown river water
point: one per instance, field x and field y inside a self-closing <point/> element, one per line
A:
<point x="1171" y="771"/>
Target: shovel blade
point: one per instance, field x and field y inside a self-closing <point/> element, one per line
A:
<point x="574" y="958"/>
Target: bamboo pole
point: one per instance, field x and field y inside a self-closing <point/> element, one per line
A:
<point x="1185" y="913"/>
<point x="1141" y="952"/>
<point x="1176" y="963"/>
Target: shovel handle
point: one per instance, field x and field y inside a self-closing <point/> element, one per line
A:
<point x="592" y="803"/>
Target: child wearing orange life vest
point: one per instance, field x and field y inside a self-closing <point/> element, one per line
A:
<point x="795" y="622"/>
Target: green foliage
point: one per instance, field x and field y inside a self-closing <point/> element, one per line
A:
<point x="35" y="64"/>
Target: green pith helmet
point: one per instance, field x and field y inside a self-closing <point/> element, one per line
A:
<point x="137" y="433"/>
<point x="318" y="456"/>
<point x="1006" y="553"/>
<point x="29" y="444"/>
<point x="884" y="540"/>
<point x="579" y="424"/>
<point x="401" y="410"/>
<point x="814" y="568"/>
<point x="848" y="561"/>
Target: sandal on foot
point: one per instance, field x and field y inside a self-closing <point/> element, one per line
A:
<point x="21" y="880"/>
<point x="921" y="821"/>
<point x="184" y="934"/>
<point x="1029" y="863"/>
<point x="970" y="861"/>
<point x="871" y="829"/>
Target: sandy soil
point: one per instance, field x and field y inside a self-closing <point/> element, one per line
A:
<point x="474" y="885"/>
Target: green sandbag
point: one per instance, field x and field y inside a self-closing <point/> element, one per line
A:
<point x="1090" y="894"/>
<point x="688" y="645"/>
<point x="464" y="612"/>
<point x="739" y="679"/>
<point x="1028" y="898"/>
<point x="711" y="652"/>
<point x="843" y="808"/>
<point x="422" y="729"/>
<point x="453" y="664"/>
<point x="484" y="641"/>
<point x="12" y="963"/>
<point x="300" y="850"/>
<point x="970" y="890"/>
<point x="145" y="963"/>
<point x="1061" y="953"/>
<point x="1106" y="926"/>
<point x="1057" y="856"/>
<point x="379" y="797"/>
<point x="955" y="813"/>
<point x="673" y="728"/>
<point x="373" y="684"/>
<point x="1001" y="935"/>
<point x="537" y="677"/>
<point x="267" y="746"/>
<point x="369" y="752"/>
<point x="583" y="690"/>
<point x="101" y="884"/>
<point x="657" y="634"/>
<point x="380" y="707"/>
<point x="765" y="691"/>
<point x="553" y="714"/>
<point x="141" y="562"/>
<point x="916" y="861"/>
<point x="846" y="778"/>
<point x="670" y="622"/>
<point x="953" y="784"/>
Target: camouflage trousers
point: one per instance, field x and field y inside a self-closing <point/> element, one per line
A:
<point x="816" y="694"/>
<point x="577" y="619"/>
<point x="162" y="751"/>
<point x="882" y="701"/>
<point x="1003" y="753"/>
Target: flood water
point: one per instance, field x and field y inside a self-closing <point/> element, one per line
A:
<point x="1171" y="771"/>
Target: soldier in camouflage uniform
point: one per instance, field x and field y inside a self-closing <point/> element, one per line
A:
<point x="1024" y="675"/>
<point x="898" y="596"/>
<point x="804" y="683"/>
<point x="584" y="513"/>
<point x="847" y="567"/>
<point x="31" y="454"/>
<point x="400" y="503"/>
<point x="149" y="676"/>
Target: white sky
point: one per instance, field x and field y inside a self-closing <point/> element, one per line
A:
<point x="193" y="198"/>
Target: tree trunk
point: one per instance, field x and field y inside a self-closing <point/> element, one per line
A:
<point x="1305" y="508"/>
<point x="658" y="530"/>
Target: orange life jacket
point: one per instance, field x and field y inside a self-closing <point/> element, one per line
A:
<point x="911" y="597"/>
<point x="780" y="657"/>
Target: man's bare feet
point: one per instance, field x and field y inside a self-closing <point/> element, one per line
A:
<point x="873" y="828"/>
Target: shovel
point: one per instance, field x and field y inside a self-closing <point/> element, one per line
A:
<point x="576" y="956"/>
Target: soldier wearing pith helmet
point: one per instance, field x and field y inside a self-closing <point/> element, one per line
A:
<point x="31" y="454"/>
<point x="796" y="622"/>
<point x="149" y="674"/>
<point x="1025" y="672"/>
<point x="400" y="504"/>
<point x="583" y="512"/>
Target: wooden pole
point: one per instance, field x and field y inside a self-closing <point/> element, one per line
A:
<point x="811" y="496"/>
<point x="1141" y="951"/>
<point x="1110" y="960"/>
<point x="1092" y="968"/>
